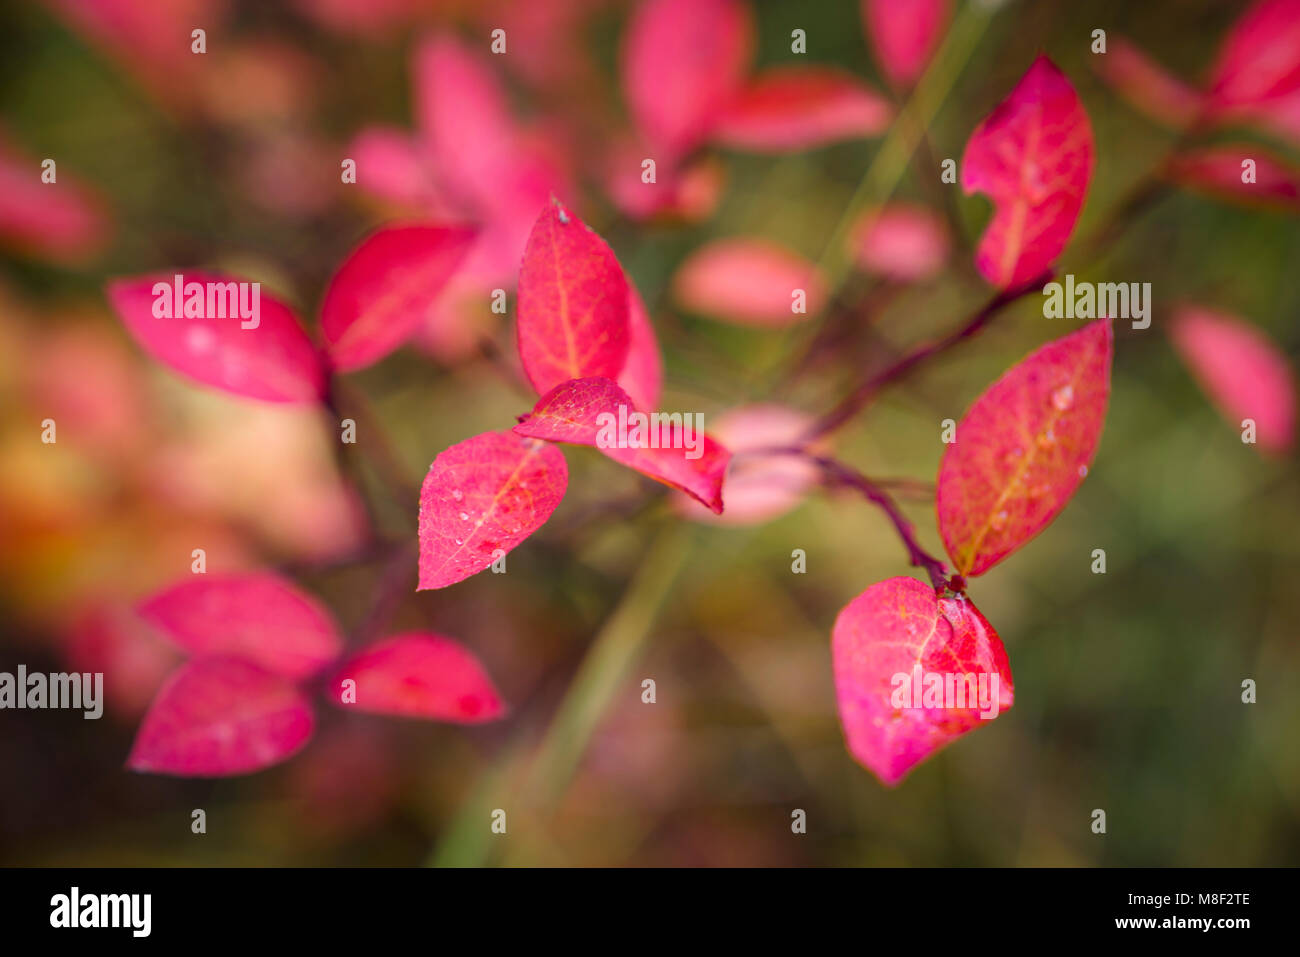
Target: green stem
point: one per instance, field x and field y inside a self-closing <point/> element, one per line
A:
<point x="468" y="841"/>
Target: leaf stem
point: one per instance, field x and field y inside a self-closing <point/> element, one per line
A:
<point x="855" y="401"/>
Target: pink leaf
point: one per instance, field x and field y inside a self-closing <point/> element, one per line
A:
<point x="383" y="291"/>
<point x="901" y="242"/>
<point x="1243" y="372"/>
<point x="760" y="487"/>
<point x="481" y="498"/>
<point x="259" y="617"/>
<point x="1023" y="449"/>
<point x="682" y="61"/>
<point x="887" y="647"/>
<point x="1033" y="157"/>
<point x="272" y="359"/>
<point x="1259" y="60"/>
<point x="596" y="412"/>
<point x="1147" y="85"/>
<point x="391" y="166"/>
<point x="420" y="675"/>
<point x="904" y="34"/>
<point x="796" y="108"/>
<point x="573" y="303"/>
<point x="749" y="281"/>
<point x="1218" y="170"/>
<point x="463" y="114"/>
<point x="643" y="372"/>
<point x="62" y="221"/>
<point x="216" y="717"/>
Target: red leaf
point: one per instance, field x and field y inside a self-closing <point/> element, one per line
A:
<point x="62" y="221"/>
<point x="573" y="303"/>
<point x="689" y="193"/>
<point x="1023" y="448"/>
<point x="420" y="675"/>
<point x="1033" y="157"/>
<point x="482" y="495"/>
<point x="462" y="111"/>
<point x="259" y="617"/>
<point x="274" y="361"/>
<point x="221" y="716"/>
<point x="901" y="242"/>
<point x="588" y="412"/>
<point x="383" y="291"/>
<point x="1259" y="60"/>
<point x="643" y="372"/>
<point x="682" y="61"/>
<point x="1217" y="171"/>
<point x="749" y="281"/>
<point x="886" y="646"/>
<point x="904" y="34"/>
<point x="795" y="108"/>
<point x="1243" y="372"/>
<point x="1147" y="85"/>
<point x="390" y="165"/>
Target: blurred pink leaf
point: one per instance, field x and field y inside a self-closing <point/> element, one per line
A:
<point x="573" y="303"/>
<point x="216" y="717"/>
<point x="462" y="112"/>
<point x="682" y="61"/>
<point x="896" y="628"/>
<point x="63" y="221"/>
<point x="384" y="289"/>
<point x="275" y="361"/>
<point x="749" y="281"/>
<point x="420" y="675"/>
<point x="1259" y="60"/>
<point x="1023" y="449"/>
<point x="904" y="35"/>
<point x="901" y="242"/>
<point x="1244" y="373"/>
<point x="688" y="193"/>
<point x="481" y="498"/>
<point x="392" y="166"/>
<point x="1033" y="157"/>
<point x="260" y="617"/>
<point x="578" y="412"/>
<point x="760" y="487"/>
<point x="1147" y="85"/>
<point x="643" y="372"/>
<point x="1218" y="170"/>
<point x="150" y="40"/>
<point x="792" y="108"/>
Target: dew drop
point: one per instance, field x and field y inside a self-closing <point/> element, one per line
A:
<point x="457" y="494"/>
<point x="1047" y="439"/>
<point x="1083" y="471"/>
<point x="1063" y="398"/>
<point x="458" y="541"/>
<point x="464" y="516"/>
<point x="999" y="521"/>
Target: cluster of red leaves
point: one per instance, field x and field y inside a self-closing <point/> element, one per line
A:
<point x="239" y="705"/>
<point x="587" y="346"/>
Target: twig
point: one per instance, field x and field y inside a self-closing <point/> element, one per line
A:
<point x="856" y="400"/>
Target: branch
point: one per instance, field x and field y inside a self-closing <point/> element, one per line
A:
<point x="856" y="400"/>
<point x="839" y="473"/>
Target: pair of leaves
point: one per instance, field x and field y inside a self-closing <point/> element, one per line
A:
<point x="1020" y="453"/>
<point x="684" y="72"/>
<point x="1254" y="78"/>
<point x="375" y="301"/>
<point x="238" y="706"/>
<point x="585" y="340"/>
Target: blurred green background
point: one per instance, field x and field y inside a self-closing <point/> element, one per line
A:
<point x="1127" y="684"/>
